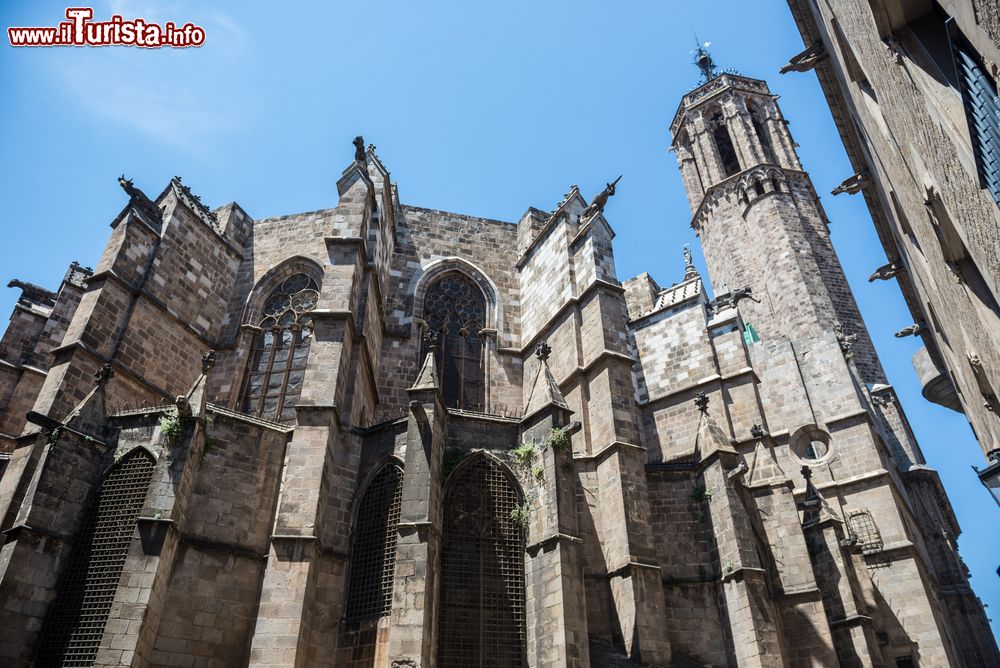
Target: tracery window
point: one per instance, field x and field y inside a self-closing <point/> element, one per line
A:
<point x="278" y="363"/>
<point x="455" y="313"/>
<point x="482" y="571"/>
<point x="76" y="621"/>
<point x="373" y="555"/>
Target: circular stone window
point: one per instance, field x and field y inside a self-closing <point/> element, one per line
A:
<point x="811" y="445"/>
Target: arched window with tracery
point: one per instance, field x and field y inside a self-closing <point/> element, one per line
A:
<point x="75" y="623"/>
<point x="373" y="554"/>
<point x="455" y="313"/>
<point x="482" y="570"/>
<point x="278" y="364"/>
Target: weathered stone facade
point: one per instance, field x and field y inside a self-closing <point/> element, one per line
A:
<point x="891" y="72"/>
<point x="429" y="439"/>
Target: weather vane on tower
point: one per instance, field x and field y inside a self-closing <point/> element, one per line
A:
<point x="703" y="59"/>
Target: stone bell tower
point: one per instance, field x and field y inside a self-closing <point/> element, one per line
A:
<point x="758" y="216"/>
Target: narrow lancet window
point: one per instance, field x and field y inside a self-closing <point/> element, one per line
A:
<point x="727" y="152"/>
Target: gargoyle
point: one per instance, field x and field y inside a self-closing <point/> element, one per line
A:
<point x="600" y="200"/>
<point x="912" y="330"/>
<point x="852" y="184"/>
<point x="805" y="61"/>
<point x="359" y="150"/>
<point x="887" y="271"/>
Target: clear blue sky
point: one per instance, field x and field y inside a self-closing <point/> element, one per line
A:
<point x="479" y="108"/>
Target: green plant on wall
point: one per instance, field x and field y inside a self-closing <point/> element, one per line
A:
<point x="701" y="494"/>
<point x="524" y="453"/>
<point x="520" y="515"/>
<point x="558" y="439"/>
<point x="538" y="471"/>
<point x="172" y="426"/>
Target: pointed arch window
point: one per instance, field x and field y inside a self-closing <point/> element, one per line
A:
<point x="373" y="554"/>
<point x="76" y="621"/>
<point x="278" y="363"/>
<point x="455" y="313"/>
<point x="764" y="137"/>
<point x="724" y="144"/>
<point x="482" y="570"/>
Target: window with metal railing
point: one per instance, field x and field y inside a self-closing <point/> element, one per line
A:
<point x="482" y="570"/>
<point x="373" y="553"/>
<point x="72" y="632"/>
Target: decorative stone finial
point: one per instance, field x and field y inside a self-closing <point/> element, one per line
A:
<point x="431" y="341"/>
<point x="807" y="473"/>
<point x="104" y="374"/>
<point x="701" y="401"/>
<point x="757" y="431"/>
<point x="703" y="60"/>
<point x="207" y="361"/>
<point x="543" y="350"/>
<point x="689" y="270"/>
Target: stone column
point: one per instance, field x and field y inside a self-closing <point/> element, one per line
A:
<point x="752" y="615"/>
<point x="556" y="602"/>
<point x="853" y="638"/>
<point x="413" y="634"/>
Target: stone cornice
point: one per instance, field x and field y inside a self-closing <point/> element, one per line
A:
<point x="731" y="183"/>
<point x="712" y="89"/>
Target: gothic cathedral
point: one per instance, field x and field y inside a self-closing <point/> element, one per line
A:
<point x="382" y="435"/>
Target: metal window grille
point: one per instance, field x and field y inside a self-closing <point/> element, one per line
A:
<point x="373" y="557"/>
<point x="75" y="623"/>
<point x="863" y="529"/>
<point x="482" y="571"/>
<point x="278" y="363"/>
<point x="455" y="311"/>
<point x="982" y="108"/>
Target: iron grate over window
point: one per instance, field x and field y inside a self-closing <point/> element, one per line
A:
<point x="482" y="571"/>
<point x="373" y="557"/>
<point x="455" y="311"/>
<point x="862" y="528"/>
<point x="75" y="623"/>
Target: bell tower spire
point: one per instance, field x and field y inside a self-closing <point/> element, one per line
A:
<point x="757" y="214"/>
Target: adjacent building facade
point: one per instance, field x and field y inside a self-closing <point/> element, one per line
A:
<point x="913" y="89"/>
<point x="428" y="439"/>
